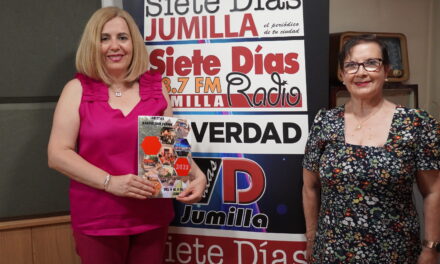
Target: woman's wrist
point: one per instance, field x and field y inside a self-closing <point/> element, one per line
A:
<point x="433" y="245"/>
<point x="310" y="236"/>
<point x="107" y="181"/>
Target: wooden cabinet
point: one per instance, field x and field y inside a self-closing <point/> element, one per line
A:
<point x="16" y="246"/>
<point x="401" y="94"/>
<point x="38" y="241"/>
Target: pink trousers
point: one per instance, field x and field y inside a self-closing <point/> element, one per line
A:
<point x="145" y="248"/>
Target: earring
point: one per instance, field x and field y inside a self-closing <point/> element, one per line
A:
<point x="386" y="79"/>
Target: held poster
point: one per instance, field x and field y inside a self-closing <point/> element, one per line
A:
<point x="237" y="70"/>
<point x="164" y="153"/>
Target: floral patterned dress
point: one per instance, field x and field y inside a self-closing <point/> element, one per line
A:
<point x="367" y="214"/>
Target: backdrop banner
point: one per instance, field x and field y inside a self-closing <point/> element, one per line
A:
<point x="237" y="70"/>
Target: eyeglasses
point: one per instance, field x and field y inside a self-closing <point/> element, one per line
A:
<point x="370" y="65"/>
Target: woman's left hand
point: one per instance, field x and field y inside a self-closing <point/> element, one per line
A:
<point x="194" y="192"/>
<point x="428" y="256"/>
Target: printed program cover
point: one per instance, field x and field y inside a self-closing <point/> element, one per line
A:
<point x="164" y="153"/>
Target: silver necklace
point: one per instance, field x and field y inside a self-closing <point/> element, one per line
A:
<point x="117" y="90"/>
<point x="360" y="123"/>
<point x="118" y="93"/>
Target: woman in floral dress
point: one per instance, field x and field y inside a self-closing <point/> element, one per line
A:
<point x="360" y="163"/>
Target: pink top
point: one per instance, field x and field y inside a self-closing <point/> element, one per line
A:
<point x="108" y="140"/>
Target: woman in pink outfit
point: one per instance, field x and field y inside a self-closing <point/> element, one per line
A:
<point x="94" y="142"/>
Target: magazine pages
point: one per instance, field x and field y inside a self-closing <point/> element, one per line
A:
<point x="164" y="153"/>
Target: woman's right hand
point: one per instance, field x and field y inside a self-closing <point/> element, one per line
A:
<point x="309" y="251"/>
<point x="130" y="185"/>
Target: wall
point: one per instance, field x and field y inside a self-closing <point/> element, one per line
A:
<point x="38" y="57"/>
<point x="117" y="3"/>
<point x="412" y="18"/>
<point x="435" y="61"/>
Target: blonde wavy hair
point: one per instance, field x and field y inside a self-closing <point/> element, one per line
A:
<point x="89" y="60"/>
